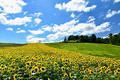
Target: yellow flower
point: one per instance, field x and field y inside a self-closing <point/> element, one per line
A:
<point x="91" y="72"/>
<point x="116" y="72"/>
<point x="43" y="69"/>
<point x="101" y="72"/>
<point x="68" y="68"/>
<point x="15" y="76"/>
<point x="65" y="75"/>
<point x="31" y="71"/>
<point x="63" y="68"/>
<point x="48" y="78"/>
<point x="85" y="76"/>
<point x="36" y="69"/>
<point x="70" y="75"/>
<point x="107" y="71"/>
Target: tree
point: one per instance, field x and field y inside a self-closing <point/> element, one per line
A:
<point x="93" y="38"/>
<point x="65" y="40"/>
<point x="110" y="38"/>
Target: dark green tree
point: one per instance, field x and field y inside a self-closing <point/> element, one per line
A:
<point x="93" y="38"/>
<point x="65" y="40"/>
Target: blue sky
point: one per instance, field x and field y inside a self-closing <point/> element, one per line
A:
<point x="31" y="21"/>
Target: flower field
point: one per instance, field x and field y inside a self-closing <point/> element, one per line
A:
<point x="37" y="61"/>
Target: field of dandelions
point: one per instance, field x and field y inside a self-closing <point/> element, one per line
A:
<point x="40" y="62"/>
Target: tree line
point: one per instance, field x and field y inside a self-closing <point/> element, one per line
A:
<point x="112" y="39"/>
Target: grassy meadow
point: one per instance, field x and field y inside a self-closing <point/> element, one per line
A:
<point x="36" y="61"/>
<point x="102" y="50"/>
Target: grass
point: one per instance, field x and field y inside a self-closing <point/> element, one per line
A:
<point x="3" y="44"/>
<point x="102" y="50"/>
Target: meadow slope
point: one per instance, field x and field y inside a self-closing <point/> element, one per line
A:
<point x="102" y="50"/>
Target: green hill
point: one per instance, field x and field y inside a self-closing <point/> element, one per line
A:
<point x="103" y="50"/>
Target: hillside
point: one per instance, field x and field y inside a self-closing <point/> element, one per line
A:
<point x="103" y="50"/>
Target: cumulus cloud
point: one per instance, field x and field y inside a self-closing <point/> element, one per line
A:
<point x="34" y="39"/>
<point x="76" y="5"/>
<point x="21" y="31"/>
<point x="16" y="21"/>
<point x="36" y="32"/>
<point x="46" y="28"/>
<point x="72" y="15"/>
<point x="37" y="20"/>
<point x="74" y="26"/>
<point x="91" y="19"/>
<point x="112" y="13"/>
<point x="38" y="14"/>
<point x="12" y="6"/>
<point x="9" y="29"/>
<point x="66" y="26"/>
<point x="58" y="35"/>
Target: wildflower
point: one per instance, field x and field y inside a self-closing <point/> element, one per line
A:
<point x="65" y="75"/>
<point x="63" y="68"/>
<point x="101" y="72"/>
<point x="85" y="76"/>
<point x="116" y="72"/>
<point x="31" y="71"/>
<point x="42" y="69"/>
<point x="68" y="68"/>
<point x="36" y="69"/>
<point x="15" y="76"/>
<point x="70" y="75"/>
<point x="91" y="72"/>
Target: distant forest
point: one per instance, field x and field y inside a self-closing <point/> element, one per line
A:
<point x="112" y="39"/>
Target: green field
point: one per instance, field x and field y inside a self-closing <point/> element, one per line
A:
<point x="3" y="44"/>
<point x="102" y="50"/>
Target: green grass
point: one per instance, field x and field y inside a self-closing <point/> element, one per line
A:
<point x="102" y="50"/>
<point x="3" y="44"/>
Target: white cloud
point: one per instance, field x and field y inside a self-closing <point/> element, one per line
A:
<point x="75" y="5"/>
<point x="37" y="20"/>
<point x="9" y="29"/>
<point x="46" y="28"/>
<point x="91" y="19"/>
<point x="72" y="15"/>
<point x="74" y="26"/>
<point x="36" y="32"/>
<point x="112" y="13"/>
<point x="116" y="1"/>
<point x="33" y="39"/>
<point x="21" y="31"/>
<point x="16" y="21"/>
<point x="38" y="14"/>
<point x="58" y="35"/>
<point x="118" y="23"/>
<point x="64" y="27"/>
<point x="12" y="6"/>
